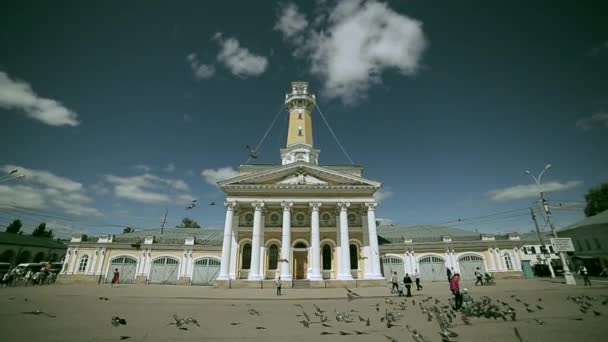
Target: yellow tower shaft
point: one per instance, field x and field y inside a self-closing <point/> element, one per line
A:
<point x="300" y="127"/>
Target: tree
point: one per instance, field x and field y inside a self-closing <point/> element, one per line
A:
<point x="128" y="230"/>
<point x="42" y="232"/>
<point x="14" y="227"/>
<point x="188" y="223"/>
<point x="597" y="199"/>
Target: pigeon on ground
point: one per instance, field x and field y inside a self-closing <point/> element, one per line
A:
<point x="326" y="325"/>
<point x="260" y="328"/>
<point x="392" y="339"/>
<point x="104" y="298"/>
<point x="353" y="293"/>
<point x="368" y="322"/>
<point x="529" y="310"/>
<point x="193" y="321"/>
<point x="361" y="332"/>
<point x="597" y="313"/>
<point x="38" y="313"/>
<point x="327" y="333"/>
<point x="124" y="337"/>
<point x="235" y="323"/>
<point x="539" y="321"/>
<point x="305" y="323"/>
<point x="343" y="333"/>
<point x="539" y="307"/>
<point x="116" y="321"/>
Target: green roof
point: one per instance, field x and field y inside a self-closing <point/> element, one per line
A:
<point x="175" y="236"/>
<point x="421" y="233"/>
<point x="28" y="240"/>
<point x="599" y="219"/>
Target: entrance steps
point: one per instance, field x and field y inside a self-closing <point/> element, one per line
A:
<point x="300" y="284"/>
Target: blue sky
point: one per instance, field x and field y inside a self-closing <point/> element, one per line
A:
<point x="117" y="111"/>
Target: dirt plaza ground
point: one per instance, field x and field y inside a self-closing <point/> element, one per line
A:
<point x="224" y="315"/>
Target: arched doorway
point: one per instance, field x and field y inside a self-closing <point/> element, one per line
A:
<point x="205" y="271"/>
<point x="508" y="261"/>
<point x="468" y="265"/>
<point x="300" y="260"/>
<point x="432" y="268"/>
<point x="273" y="261"/>
<point x="326" y="256"/>
<point x="23" y="257"/>
<point x="245" y="260"/>
<point x="38" y="257"/>
<point x="127" y="267"/>
<point x="7" y="256"/>
<point x="354" y="260"/>
<point x="392" y="264"/>
<point x="164" y="271"/>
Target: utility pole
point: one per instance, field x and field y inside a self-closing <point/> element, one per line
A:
<point x="162" y="227"/>
<point x="567" y="274"/>
<point x="542" y="244"/>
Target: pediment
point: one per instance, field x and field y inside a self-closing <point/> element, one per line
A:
<point x="300" y="174"/>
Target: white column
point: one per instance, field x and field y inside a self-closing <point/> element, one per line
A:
<point x="233" y="253"/>
<point x="254" y="272"/>
<point x="227" y="242"/>
<point x="455" y="261"/>
<point x="516" y="260"/>
<point x="413" y="262"/>
<point x="500" y="262"/>
<point x="407" y="263"/>
<point x="374" y="257"/>
<point x="492" y="265"/>
<point x="344" y="272"/>
<point x="102" y="257"/>
<point x="286" y="242"/>
<point x="315" y="242"/>
<point x="93" y="261"/>
<point x="66" y="261"/>
<point x="74" y="261"/>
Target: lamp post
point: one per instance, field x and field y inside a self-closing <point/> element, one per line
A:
<point x="567" y="274"/>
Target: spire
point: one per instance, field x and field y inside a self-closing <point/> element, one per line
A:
<point x="299" y="104"/>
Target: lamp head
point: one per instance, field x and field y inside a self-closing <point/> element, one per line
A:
<point x="527" y="172"/>
<point x="548" y="166"/>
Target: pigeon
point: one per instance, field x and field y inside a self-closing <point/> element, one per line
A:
<point x="211" y="203"/>
<point x="529" y="310"/>
<point x="252" y="153"/>
<point x="260" y="328"/>
<point x="353" y="293"/>
<point x="104" y="298"/>
<point x="326" y="325"/>
<point x="193" y="321"/>
<point x="327" y="333"/>
<point x="605" y="301"/>
<point x="517" y="334"/>
<point x="392" y="339"/>
<point x="253" y="312"/>
<point x="361" y="332"/>
<point x="235" y="323"/>
<point x="305" y="323"/>
<point x="317" y="309"/>
<point x="117" y="321"/>
<point x="361" y="319"/>
<point x="378" y="307"/>
<point x="388" y="301"/>
<point x="540" y="299"/>
<point x="343" y="333"/>
<point x="350" y="296"/>
<point x="306" y="316"/>
<point x="539" y="321"/>
<point x="539" y="307"/>
<point x="124" y="337"/>
<point x="38" y="313"/>
<point x="597" y="313"/>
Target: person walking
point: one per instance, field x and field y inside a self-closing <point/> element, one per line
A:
<point x="278" y="283"/>
<point x="407" y="281"/>
<point x="417" y="277"/>
<point x="479" y="277"/>
<point x="449" y="273"/>
<point x="455" y="288"/>
<point x="116" y="277"/>
<point x="395" y="283"/>
<point x="28" y="277"/>
<point x="585" y="275"/>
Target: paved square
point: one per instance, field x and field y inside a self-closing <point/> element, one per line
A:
<point x="224" y="315"/>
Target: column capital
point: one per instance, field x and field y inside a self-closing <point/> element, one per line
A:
<point x="258" y="205"/>
<point x="343" y="205"/>
<point x="314" y="206"/>
<point x="371" y="206"/>
<point x="286" y="205"/>
<point x="230" y="205"/>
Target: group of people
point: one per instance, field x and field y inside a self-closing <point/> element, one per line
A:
<point x="26" y="276"/>
<point x="407" y="284"/>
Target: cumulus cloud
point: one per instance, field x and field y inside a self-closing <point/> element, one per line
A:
<point x="201" y="71"/>
<point x="147" y="188"/>
<point x="530" y="190"/>
<point x="353" y="43"/>
<point x="382" y="194"/>
<point x="142" y="167"/>
<point x="16" y="94"/>
<point x="599" y="120"/>
<point x="212" y="176"/>
<point x="65" y="230"/>
<point x="41" y="189"/>
<point x="239" y="60"/>
<point x="169" y="168"/>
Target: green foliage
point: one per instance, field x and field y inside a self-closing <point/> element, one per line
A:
<point x="85" y="237"/>
<point x="14" y="227"/>
<point x="597" y="200"/>
<point x="41" y="231"/>
<point x="188" y="223"/>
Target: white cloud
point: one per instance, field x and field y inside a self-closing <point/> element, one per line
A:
<point x="290" y="21"/>
<point x="41" y="189"/>
<point x="384" y="221"/>
<point x="142" y="167"/>
<point x="382" y="194"/>
<point x="64" y="230"/>
<point x="201" y="71"/>
<point x="212" y="176"/>
<point x="15" y="94"/>
<point x="239" y="60"/>
<point x="353" y="43"/>
<point x="530" y="190"/>
<point x="146" y="188"/>
<point x="169" y="168"/>
<point x="599" y="119"/>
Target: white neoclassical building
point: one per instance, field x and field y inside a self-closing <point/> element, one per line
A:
<point x="299" y="220"/>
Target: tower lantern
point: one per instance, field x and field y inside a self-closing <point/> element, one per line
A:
<point x="300" y="104"/>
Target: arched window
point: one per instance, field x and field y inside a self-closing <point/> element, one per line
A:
<point x="7" y="256"/>
<point x="39" y="256"/>
<point x="325" y="219"/>
<point x="300" y="131"/>
<point x="246" y="257"/>
<point x="352" y="219"/>
<point x="300" y="245"/>
<point x="508" y="262"/>
<point x="84" y="261"/>
<point x="273" y="257"/>
<point x="326" y="257"/>
<point x="23" y="257"/>
<point x="354" y="257"/>
<point x="248" y="219"/>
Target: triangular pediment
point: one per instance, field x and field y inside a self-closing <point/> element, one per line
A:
<point x="300" y="174"/>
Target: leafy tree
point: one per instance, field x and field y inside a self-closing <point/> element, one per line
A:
<point x="597" y="199"/>
<point x="85" y="237"/>
<point x="14" y="227"/>
<point x="188" y="223"/>
<point x="42" y="232"/>
<point x="128" y="230"/>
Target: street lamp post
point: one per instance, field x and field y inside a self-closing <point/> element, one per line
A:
<point x="567" y="274"/>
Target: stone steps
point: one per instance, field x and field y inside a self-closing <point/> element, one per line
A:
<point x="300" y="284"/>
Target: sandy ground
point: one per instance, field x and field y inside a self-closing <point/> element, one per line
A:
<point x="82" y="316"/>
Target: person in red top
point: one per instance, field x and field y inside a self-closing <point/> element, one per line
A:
<point x="116" y="277"/>
<point x="455" y="288"/>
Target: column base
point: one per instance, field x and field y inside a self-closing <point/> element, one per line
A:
<point x="569" y="278"/>
<point x="315" y="277"/>
<point x="373" y="276"/>
<point x="255" y="277"/>
<point x="286" y="277"/>
<point x="223" y="277"/>
<point x="344" y="277"/>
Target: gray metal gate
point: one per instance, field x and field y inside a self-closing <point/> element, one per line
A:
<point x="432" y="268"/>
<point x="127" y="267"/>
<point x="205" y="271"/>
<point x="392" y="264"/>
<point x="468" y="265"/>
<point x="164" y="271"/>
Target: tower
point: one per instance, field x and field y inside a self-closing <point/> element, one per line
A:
<point x="299" y="104"/>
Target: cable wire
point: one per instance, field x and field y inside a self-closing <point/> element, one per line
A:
<point x="257" y="147"/>
<point x="334" y="134"/>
